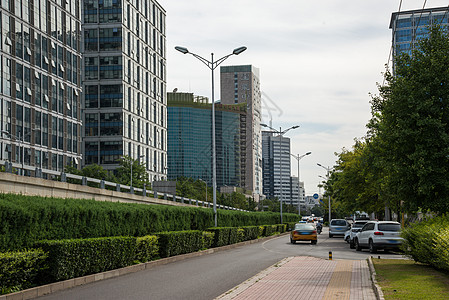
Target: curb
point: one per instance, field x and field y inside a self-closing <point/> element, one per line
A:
<point x="70" y="283"/>
<point x="376" y="287"/>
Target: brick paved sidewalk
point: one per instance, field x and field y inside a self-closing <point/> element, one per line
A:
<point x="308" y="278"/>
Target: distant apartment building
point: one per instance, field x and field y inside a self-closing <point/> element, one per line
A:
<point x="297" y="193"/>
<point x="241" y="85"/>
<point x="125" y="84"/>
<point x="276" y="167"/>
<point x="408" y="27"/>
<point x="40" y="88"/>
<point x="190" y="139"/>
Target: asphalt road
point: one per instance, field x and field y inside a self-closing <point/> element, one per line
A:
<point x="208" y="276"/>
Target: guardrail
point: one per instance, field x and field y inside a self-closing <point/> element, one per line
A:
<point x="62" y="176"/>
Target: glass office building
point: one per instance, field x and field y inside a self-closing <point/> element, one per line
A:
<point x="190" y="139"/>
<point x="40" y="86"/>
<point x="125" y="84"/>
<point x="408" y="27"/>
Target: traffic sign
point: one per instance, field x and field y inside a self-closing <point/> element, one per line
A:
<point x="315" y="196"/>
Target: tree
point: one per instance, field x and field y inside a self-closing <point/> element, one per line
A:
<point x="410" y="124"/>
<point x="139" y="173"/>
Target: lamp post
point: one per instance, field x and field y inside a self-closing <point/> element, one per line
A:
<point x="132" y="163"/>
<point x="281" y="133"/>
<point x="298" y="158"/>
<point x="212" y="65"/>
<point x="328" y="169"/>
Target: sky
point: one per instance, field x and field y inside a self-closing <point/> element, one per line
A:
<point x="319" y="62"/>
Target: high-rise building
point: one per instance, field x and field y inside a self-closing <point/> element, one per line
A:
<point x="276" y="166"/>
<point x="408" y="27"/>
<point x="125" y="84"/>
<point x="241" y="85"/>
<point x="190" y="139"/>
<point x="40" y="85"/>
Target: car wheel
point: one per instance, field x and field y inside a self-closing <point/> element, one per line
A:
<point x="314" y="242"/>
<point x="372" y="249"/>
<point x="347" y="239"/>
<point x="357" y="246"/>
<point x="330" y="235"/>
<point x="351" y="244"/>
<point x="292" y="241"/>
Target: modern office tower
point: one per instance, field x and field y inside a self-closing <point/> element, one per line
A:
<point x="240" y="85"/>
<point x="297" y="192"/>
<point x="276" y="166"/>
<point x="125" y="84"/>
<point x="40" y="85"/>
<point x="408" y="27"/>
<point x="190" y="139"/>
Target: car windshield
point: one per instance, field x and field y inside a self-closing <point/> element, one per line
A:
<point x="338" y="222"/>
<point x="304" y="227"/>
<point x="389" y="227"/>
<point x="358" y="225"/>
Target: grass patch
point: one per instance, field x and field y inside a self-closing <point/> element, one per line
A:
<point x="405" y="279"/>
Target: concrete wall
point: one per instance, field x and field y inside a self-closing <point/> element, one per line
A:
<point x="31" y="186"/>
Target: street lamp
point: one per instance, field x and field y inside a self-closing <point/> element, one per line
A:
<point x="212" y="65"/>
<point x="298" y="158"/>
<point x="328" y="169"/>
<point x="281" y="133"/>
<point x="132" y="162"/>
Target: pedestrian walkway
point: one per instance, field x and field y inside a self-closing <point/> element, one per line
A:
<point x="308" y="278"/>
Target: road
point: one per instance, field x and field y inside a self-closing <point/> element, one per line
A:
<point x="208" y="276"/>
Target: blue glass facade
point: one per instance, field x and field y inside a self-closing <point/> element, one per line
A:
<point x="190" y="143"/>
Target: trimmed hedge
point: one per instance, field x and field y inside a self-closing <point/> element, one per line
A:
<point x="27" y="219"/>
<point x="428" y="242"/>
<point x="208" y="239"/>
<point x="18" y="270"/>
<point x="269" y="230"/>
<point x="251" y="232"/>
<point x="79" y="257"/>
<point x="147" y="248"/>
<point x="179" y="242"/>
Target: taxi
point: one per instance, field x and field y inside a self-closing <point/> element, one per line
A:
<point x="304" y="232"/>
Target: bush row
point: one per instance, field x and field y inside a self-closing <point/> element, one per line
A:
<point x="56" y="260"/>
<point x="428" y="242"/>
<point x="27" y="219"/>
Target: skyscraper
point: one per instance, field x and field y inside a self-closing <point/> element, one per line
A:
<point x="40" y="83"/>
<point x="241" y="85"/>
<point x="190" y="139"/>
<point x="125" y="84"/>
<point x="276" y="166"/>
<point x="408" y="27"/>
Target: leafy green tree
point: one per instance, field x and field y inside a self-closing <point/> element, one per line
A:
<point x="139" y="173"/>
<point x="410" y="124"/>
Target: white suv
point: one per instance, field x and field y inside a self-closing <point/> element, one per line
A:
<point x="379" y="235"/>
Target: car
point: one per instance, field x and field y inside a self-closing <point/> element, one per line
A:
<point x="346" y="237"/>
<point x="303" y="232"/>
<point x="338" y="227"/>
<point x="355" y="228"/>
<point x="378" y="235"/>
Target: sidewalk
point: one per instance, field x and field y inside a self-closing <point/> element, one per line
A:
<point x="308" y="278"/>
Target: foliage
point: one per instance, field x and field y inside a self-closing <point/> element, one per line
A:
<point x="428" y="242"/>
<point x="18" y="270"/>
<point x="179" y="242"/>
<point x="208" y="239"/>
<point x="26" y="219"/>
<point x="410" y="124"/>
<point x="147" y="248"/>
<point x="79" y="257"/>
<point x="139" y="173"/>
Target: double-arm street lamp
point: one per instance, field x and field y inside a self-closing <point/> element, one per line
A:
<point x="298" y="158"/>
<point x="328" y="169"/>
<point x="212" y="65"/>
<point x="280" y="133"/>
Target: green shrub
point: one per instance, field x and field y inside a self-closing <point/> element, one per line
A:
<point x="240" y="235"/>
<point x="27" y="219"/>
<point x="18" y="270"/>
<point x="269" y="230"/>
<point x="290" y="226"/>
<point x="147" y="248"/>
<point x="234" y="236"/>
<point x="179" y="242"/>
<point x="208" y="239"/>
<point x="251" y="233"/>
<point x="79" y="257"/>
<point x="221" y="236"/>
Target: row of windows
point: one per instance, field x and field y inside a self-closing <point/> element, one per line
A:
<point x="103" y="67"/>
<point x="102" y="11"/>
<point x="421" y="19"/>
<point x="103" y="96"/>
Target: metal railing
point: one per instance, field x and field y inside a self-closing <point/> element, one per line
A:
<point x="62" y="176"/>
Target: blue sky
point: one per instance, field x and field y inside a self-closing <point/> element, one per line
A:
<point x="318" y="62"/>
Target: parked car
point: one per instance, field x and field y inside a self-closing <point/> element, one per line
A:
<point x="377" y="235"/>
<point x="338" y="227"/>
<point x="303" y="232"/>
<point x="352" y="233"/>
